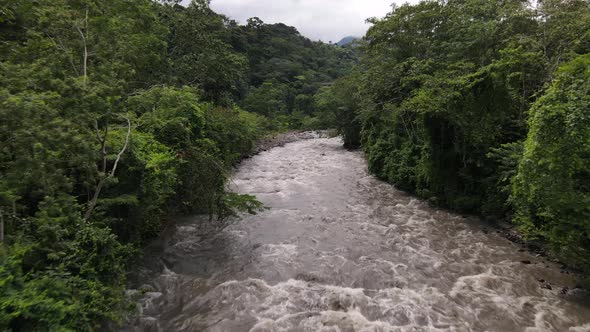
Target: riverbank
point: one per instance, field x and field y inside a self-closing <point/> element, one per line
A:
<point x="540" y="249"/>
<point x="536" y="248"/>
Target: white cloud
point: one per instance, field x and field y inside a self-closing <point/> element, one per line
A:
<point x="328" y="20"/>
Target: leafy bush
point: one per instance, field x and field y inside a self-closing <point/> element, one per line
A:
<point x="552" y="188"/>
<point x="206" y="141"/>
<point x="62" y="273"/>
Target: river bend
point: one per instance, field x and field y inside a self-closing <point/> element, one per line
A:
<point x="339" y="250"/>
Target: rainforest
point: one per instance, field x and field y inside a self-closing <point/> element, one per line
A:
<point x="120" y="118"/>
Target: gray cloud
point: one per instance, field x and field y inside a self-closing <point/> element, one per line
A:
<point x="327" y="20"/>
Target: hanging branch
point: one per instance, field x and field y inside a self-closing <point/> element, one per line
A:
<point x="104" y="175"/>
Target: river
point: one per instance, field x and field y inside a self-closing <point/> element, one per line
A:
<point x="339" y="250"/>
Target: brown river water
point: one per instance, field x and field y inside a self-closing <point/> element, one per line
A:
<point x="339" y="250"/>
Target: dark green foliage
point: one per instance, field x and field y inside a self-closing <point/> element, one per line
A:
<point x="200" y="52"/>
<point x="445" y="83"/>
<point x="113" y="115"/>
<point x="286" y="71"/>
<point x="499" y="184"/>
<point x="336" y="105"/>
<point x="444" y="102"/>
<point x="268" y="99"/>
<point x="552" y="188"/>
<point x="437" y="102"/>
<point x="62" y="272"/>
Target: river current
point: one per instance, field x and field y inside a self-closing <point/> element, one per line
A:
<point x="339" y="250"/>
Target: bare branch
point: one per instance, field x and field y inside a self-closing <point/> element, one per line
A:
<point x="124" y="146"/>
<point x="105" y="177"/>
<point x="94" y="200"/>
<point x="85" y="65"/>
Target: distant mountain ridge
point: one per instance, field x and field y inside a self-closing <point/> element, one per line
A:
<point x="347" y="40"/>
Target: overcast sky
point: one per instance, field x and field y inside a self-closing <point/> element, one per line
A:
<point x="326" y="20"/>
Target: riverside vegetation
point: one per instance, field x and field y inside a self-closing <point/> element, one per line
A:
<point x="482" y="107"/>
<point x="115" y="115"/>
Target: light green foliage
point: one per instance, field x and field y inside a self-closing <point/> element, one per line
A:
<point x="235" y="131"/>
<point x="175" y="117"/>
<point x="206" y="140"/>
<point x="552" y="188"/>
<point x="232" y="203"/>
<point x="147" y="179"/>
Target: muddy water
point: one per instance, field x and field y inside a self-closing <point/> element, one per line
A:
<point x="339" y="250"/>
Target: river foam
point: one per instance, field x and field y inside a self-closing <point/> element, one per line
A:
<point x="339" y="250"/>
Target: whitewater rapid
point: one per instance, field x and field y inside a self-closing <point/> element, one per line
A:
<point x="339" y="250"/>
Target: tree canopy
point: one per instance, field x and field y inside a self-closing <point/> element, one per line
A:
<point x="479" y="106"/>
<point x="115" y="115"/>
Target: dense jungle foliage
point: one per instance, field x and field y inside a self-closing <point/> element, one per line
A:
<point x="483" y="107"/>
<point x="115" y="114"/>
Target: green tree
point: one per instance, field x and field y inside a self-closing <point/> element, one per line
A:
<point x="552" y="187"/>
<point x="446" y="83"/>
<point x="199" y="52"/>
<point x="269" y="99"/>
<point x="92" y="157"/>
